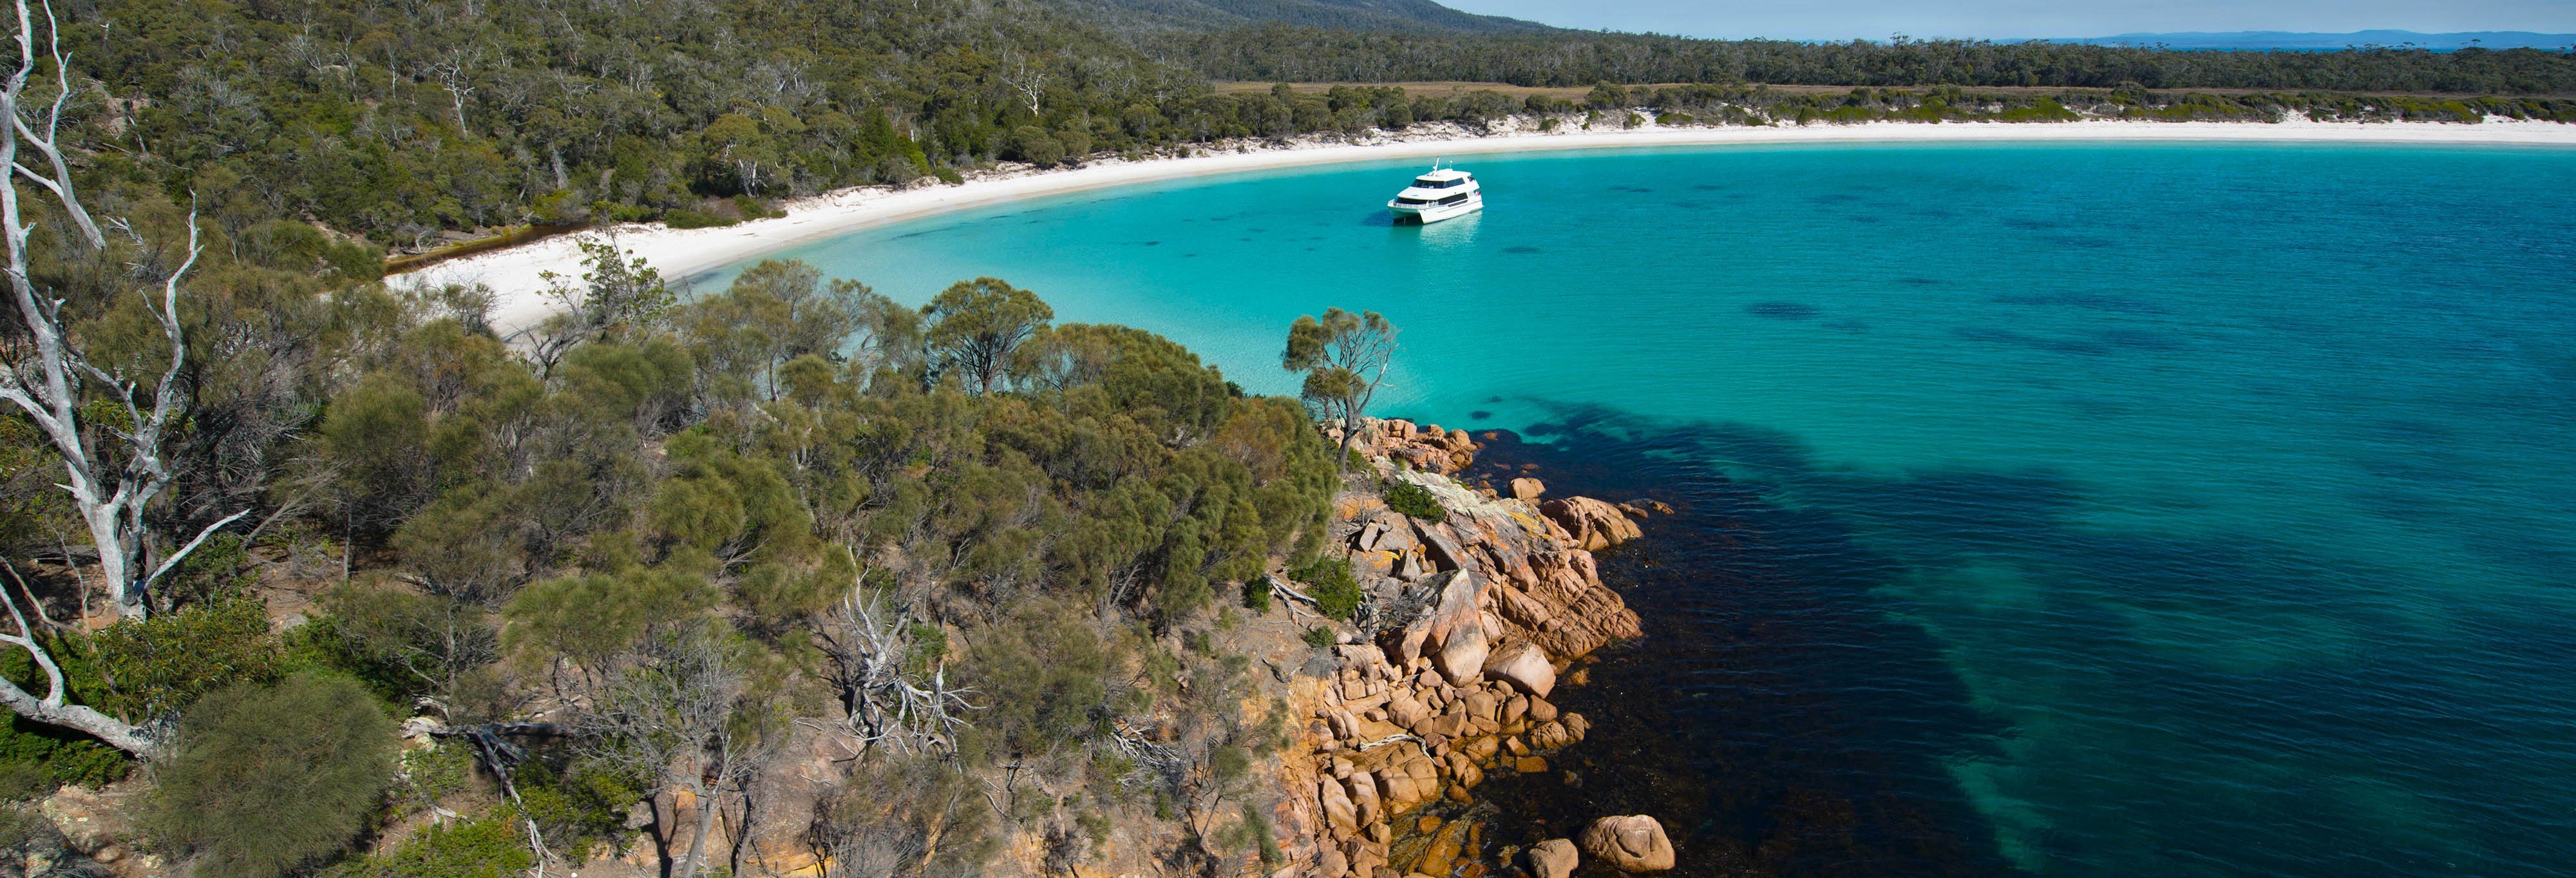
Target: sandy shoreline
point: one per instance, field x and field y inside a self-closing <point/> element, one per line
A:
<point x="514" y="274"/>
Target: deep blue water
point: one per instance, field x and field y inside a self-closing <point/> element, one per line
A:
<point x="2092" y="510"/>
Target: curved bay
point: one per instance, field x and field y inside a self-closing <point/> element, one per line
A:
<point x="2090" y="510"/>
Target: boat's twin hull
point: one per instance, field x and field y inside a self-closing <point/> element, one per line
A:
<point x="1432" y="213"/>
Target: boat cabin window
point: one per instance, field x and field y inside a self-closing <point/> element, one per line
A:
<point x="1454" y="199"/>
<point x="1428" y="183"/>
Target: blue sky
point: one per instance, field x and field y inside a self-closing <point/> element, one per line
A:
<point x="2008" y="19"/>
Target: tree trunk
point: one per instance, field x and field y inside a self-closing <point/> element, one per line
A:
<point x="1350" y="433"/>
<point x="115" y="561"/>
<point x="698" y="844"/>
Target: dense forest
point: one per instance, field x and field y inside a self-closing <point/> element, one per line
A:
<point x="403" y="124"/>
<point x="1576" y="59"/>
<point x="1397" y="16"/>
<point x="1622" y="106"/>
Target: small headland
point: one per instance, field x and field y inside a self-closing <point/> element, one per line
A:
<point x="1481" y="605"/>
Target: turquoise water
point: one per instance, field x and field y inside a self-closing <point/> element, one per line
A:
<point x="2233" y="487"/>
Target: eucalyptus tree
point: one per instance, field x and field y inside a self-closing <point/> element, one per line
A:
<point x="1345" y="358"/>
<point x="977" y="326"/>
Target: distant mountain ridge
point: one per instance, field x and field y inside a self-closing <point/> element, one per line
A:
<point x="1350" y="15"/>
<point x="2299" y="41"/>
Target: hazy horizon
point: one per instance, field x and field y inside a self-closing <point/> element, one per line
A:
<point x="2030" y="19"/>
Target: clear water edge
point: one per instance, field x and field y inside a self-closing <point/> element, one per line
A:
<point x="2281" y="581"/>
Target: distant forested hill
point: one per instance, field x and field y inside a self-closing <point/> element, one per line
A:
<point x="1395" y="16"/>
<point x="2303" y="41"/>
<point x="403" y="122"/>
<point x="397" y="120"/>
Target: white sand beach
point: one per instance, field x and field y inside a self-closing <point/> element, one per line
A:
<point x="515" y="274"/>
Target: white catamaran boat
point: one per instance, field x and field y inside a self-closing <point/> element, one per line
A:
<point x="1438" y="195"/>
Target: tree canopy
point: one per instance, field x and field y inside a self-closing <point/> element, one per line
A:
<point x="1345" y="357"/>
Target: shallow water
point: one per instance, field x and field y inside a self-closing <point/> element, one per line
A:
<point x="2090" y="510"/>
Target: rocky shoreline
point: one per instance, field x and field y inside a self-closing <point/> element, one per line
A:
<point x="1475" y="615"/>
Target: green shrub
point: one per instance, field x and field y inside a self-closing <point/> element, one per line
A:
<point x="1256" y="594"/>
<point x="40" y="757"/>
<point x="217" y="570"/>
<point x="1414" y="501"/>
<point x="751" y="208"/>
<point x="402" y="645"/>
<point x="264" y="780"/>
<point x="684" y="218"/>
<point x="35" y="758"/>
<point x="580" y="809"/>
<point x="1043" y="674"/>
<point x="292" y="246"/>
<point x="1319" y="637"/>
<point x="142" y="670"/>
<point x="430" y="774"/>
<point x="624" y="213"/>
<point x="948" y="175"/>
<point x="1330" y="583"/>
<point x="492" y="847"/>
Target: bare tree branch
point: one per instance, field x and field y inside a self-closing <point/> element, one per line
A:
<point x="889" y="700"/>
<point x="110" y="492"/>
<point x="172" y="562"/>
<point x="51" y="709"/>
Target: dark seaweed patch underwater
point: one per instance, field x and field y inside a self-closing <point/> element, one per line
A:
<point x="1775" y="717"/>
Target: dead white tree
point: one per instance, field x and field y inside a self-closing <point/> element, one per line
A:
<point x="1028" y="80"/>
<point x="45" y="376"/>
<point x="888" y="698"/>
<point x="679" y="715"/>
<point x="51" y="708"/>
<point x="453" y="71"/>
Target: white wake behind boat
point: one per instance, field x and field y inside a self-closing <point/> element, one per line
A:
<point x="1438" y="195"/>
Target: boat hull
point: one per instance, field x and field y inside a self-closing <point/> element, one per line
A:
<point x="1432" y="213"/>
